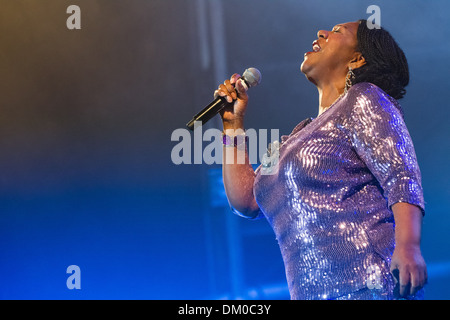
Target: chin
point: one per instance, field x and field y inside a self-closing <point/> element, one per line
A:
<point x="304" y="67"/>
<point x="308" y="70"/>
<point x="304" y="70"/>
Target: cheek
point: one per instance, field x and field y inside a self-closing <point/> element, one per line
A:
<point x="340" y="53"/>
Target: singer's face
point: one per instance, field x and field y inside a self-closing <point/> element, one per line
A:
<point x="332" y="53"/>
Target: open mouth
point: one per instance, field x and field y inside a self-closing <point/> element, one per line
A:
<point x="316" y="47"/>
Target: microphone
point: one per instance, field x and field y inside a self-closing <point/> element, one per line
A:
<point x="251" y="77"/>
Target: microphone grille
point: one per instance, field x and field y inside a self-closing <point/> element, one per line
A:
<point x="252" y="77"/>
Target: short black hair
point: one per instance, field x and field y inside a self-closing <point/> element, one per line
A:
<point x="386" y="65"/>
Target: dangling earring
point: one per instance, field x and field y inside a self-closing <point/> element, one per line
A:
<point x="349" y="79"/>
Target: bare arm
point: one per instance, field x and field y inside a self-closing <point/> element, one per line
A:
<point x="407" y="257"/>
<point x="238" y="175"/>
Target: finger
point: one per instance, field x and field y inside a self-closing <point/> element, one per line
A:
<point x="421" y="281"/>
<point x="241" y="86"/>
<point x="425" y="273"/>
<point x="223" y="92"/>
<point x="404" y="282"/>
<point x="416" y="282"/>
<point x="231" y="89"/>
<point x="394" y="271"/>
<point x="234" y="78"/>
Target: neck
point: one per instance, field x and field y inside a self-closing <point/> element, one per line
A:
<point x="328" y="94"/>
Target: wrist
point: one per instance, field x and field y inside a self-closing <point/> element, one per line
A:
<point x="232" y="138"/>
<point x="234" y="124"/>
<point x="407" y="244"/>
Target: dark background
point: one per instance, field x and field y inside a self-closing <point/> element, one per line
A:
<point x="86" y="117"/>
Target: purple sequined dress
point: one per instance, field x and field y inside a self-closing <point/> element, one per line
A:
<point x="328" y="198"/>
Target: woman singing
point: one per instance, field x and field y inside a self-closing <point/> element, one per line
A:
<point x="344" y="198"/>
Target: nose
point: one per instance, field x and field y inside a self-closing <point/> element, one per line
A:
<point x="322" y="34"/>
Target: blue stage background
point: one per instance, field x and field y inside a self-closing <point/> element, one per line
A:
<point x="86" y="118"/>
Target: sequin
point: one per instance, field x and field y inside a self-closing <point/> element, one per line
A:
<point x="329" y="201"/>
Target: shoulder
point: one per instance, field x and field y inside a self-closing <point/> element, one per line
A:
<point x="369" y="98"/>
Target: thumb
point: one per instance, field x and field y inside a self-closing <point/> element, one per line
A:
<point x="241" y="87"/>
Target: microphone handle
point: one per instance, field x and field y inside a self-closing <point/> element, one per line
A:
<point x="208" y="112"/>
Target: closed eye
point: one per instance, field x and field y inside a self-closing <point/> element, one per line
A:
<point x="337" y="28"/>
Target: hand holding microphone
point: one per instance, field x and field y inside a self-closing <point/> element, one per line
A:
<point x="233" y="90"/>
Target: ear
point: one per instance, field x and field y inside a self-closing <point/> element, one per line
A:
<point x="358" y="61"/>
